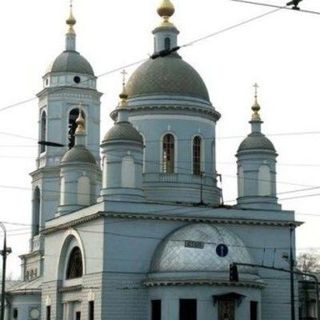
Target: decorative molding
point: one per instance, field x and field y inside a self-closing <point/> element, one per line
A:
<point x="201" y="282"/>
<point x="176" y="218"/>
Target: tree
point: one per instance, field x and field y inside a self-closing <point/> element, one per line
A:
<point x="309" y="262"/>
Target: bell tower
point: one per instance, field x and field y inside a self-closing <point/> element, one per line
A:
<point x="68" y="82"/>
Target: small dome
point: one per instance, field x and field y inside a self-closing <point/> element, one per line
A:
<point x="174" y="255"/>
<point x="78" y="154"/>
<point x="256" y="140"/>
<point x="167" y="76"/>
<point x="71" y="61"/>
<point x="123" y="131"/>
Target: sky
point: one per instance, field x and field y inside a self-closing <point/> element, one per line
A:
<point x="279" y="51"/>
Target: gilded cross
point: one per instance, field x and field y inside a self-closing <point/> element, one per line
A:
<point x="124" y="74"/>
<point x="256" y="87"/>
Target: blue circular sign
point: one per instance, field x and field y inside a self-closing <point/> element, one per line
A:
<point x="222" y="250"/>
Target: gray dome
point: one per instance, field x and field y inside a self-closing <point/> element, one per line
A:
<point x="78" y="154"/>
<point x="172" y="255"/>
<point x="256" y="140"/>
<point x="167" y="76"/>
<point x="71" y="61"/>
<point x="123" y="131"/>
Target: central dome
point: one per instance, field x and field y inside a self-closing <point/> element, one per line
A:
<point x="168" y="75"/>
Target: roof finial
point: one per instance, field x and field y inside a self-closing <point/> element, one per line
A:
<point x="256" y="107"/>
<point x="123" y="95"/>
<point x="71" y="21"/>
<point x="80" y="122"/>
<point x="166" y="10"/>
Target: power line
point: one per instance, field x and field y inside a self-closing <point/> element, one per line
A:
<point x="142" y="60"/>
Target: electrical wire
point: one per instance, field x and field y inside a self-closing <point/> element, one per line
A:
<point x="191" y="43"/>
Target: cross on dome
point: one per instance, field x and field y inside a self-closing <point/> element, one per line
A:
<point x="256" y="107"/>
<point x="71" y="21"/>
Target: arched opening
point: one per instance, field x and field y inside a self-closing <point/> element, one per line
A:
<point x="72" y="126"/>
<point x="36" y="212"/>
<point x="168" y="153"/>
<point x="240" y="182"/>
<point x="196" y="156"/>
<point x="264" y="181"/>
<point x="74" y="268"/>
<point x="167" y="43"/>
<point x="83" y="191"/>
<point x="43" y="130"/>
<point x="127" y="172"/>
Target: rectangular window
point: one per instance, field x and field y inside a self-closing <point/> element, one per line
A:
<point x="48" y="312"/>
<point x="78" y="315"/>
<point x="15" y="313"/>
<point x="91" y="310"/>
<point x="253" y="310"/>
<point x="156" y="310"/>
<point x="188" y="309"/>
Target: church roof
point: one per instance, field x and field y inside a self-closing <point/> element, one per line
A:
<point x="168" y="75"/>
<point x="71" y="61"/>
<point x="194" y="248"/>
<point x="78" y="154"/>
<point x="256" y="140"/>
<point x="123" y="131"/>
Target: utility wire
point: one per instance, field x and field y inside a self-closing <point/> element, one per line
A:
<point x="168" y="52"/>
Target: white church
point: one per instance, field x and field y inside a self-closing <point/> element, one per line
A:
<point x="134" y="226"/>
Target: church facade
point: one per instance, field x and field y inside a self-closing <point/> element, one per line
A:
<point x="134" y="227"/>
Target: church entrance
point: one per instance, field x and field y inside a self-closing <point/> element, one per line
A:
<point x="72" y="311"/>
<point x="78" y="315"/>
<point x="227" y="304"/>
<point x="226" y="310"/>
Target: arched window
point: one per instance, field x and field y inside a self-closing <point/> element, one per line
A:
<point x="167" y="43"/>
<point x="196" y="156"/>
<point x="74" y="269"/>
<point x="36" y="212"/>
<point x="72" y="126"/>
<point x="43" y="130"/>
<point x="168" y="153"/>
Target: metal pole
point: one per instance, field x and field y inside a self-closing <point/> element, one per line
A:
<point x="4" y="259"/>
<point x="293" y="315"/>
<point x="201" y="187"/>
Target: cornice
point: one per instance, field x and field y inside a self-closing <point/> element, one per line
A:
<point x="203" y="282"/>
<point x="175" y="218"/>
<point x="212" y="113"/>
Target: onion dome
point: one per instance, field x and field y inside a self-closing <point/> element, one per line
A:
<point x="122" y="131"/>
<point x="256" y="141"/>
<point x="79" y="153"/>
<point x="212" y="249"/>
<point x="166" y="9"/>
<point x="167" y="76"/>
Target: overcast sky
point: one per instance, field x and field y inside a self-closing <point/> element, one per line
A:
<point x="280" y="51"/>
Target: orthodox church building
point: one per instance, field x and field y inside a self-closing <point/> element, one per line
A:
<point x="134" y="227"/>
